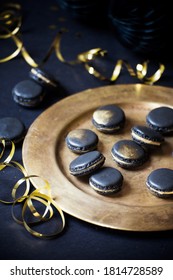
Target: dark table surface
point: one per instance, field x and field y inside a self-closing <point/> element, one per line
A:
<point x="79" y="240"/>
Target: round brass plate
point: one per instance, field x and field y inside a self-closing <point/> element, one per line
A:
<point x="45" y="154"/>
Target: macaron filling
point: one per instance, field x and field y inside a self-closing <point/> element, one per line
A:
<point x="146" y="135"/>
<point x="135" y="136"/>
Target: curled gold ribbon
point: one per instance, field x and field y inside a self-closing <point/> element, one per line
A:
<point x="90" y="55"/>
<point x="46" y="188"/>
<point x="47" y="201"/>
<point x="17" y="43"/>
<point x="18" y="166"/>
<point x="9" y="156"/>
<point x="41" y="195"/>
<point x="141" y="72"/>
<point x="12" y="19"/>
<point x="116" y="71"/>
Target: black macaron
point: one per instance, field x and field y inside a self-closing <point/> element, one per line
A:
<point x="28" y="93"/>
<point x="86" y="163"/>
<point x="11" y="129"/>
<point x="109" y="118"/>
<point x="146" y="136"/>
<point x="160" y="182"/>
<point x="106" y="181"/>
<point x="42" y="77"/>
<point x="161" y="119"/>
<point x="81" y="140"/>
<point x="128" y="154"/>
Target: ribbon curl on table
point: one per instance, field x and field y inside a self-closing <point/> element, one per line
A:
<point x="42" y="195"/>
<point x="9" y="20"/>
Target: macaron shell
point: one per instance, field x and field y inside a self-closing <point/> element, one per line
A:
<point x="86" y="163"/>
<point x="128" y="154"/>
<point x="160" y="182"/>
<point x="161" y="119"/>
<point x="106" y="180"/>
<point x="12" y="129"/>
<point x="109" y="118"/>
<point x="81" y="140"/>
<point x="28" y="93"/>
<point x="42" y="77"/>
<point x="146" y="136"/>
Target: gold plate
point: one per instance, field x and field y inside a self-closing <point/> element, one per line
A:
<point x="45" y="154"/>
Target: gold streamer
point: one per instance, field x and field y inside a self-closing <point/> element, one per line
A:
<point x="18" y="166"/>
<point x="11" y="19"/>
<point x="116" y="71"/>
<point x="10" y="24"/>
<point x="141" y="72"/>
<point x="41" y="195"/>
<point x="18" y="44"/>
<point x="46" y="200"/>
<point x="9" y="157"/>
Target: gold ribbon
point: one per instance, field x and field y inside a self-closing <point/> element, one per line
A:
<point x="47" y="201"/>
<point x="41" y="195"/>
<point x="10" y="19"/>
<point x="9" y="156"/>
<point x="48" y="213"/>
<point x="10" y="24"/>
<point x="142" y="69"/>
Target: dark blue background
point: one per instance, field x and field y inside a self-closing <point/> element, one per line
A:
<point x="79" y="240"/>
